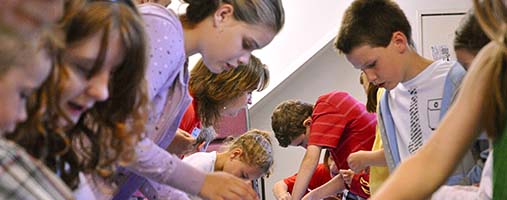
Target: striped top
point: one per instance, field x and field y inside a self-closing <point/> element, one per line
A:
<point x="342" y="125"/>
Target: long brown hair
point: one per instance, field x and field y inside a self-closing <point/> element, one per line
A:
<point x="492" y="18"/>
<point x="268" y="13"/>
<point x="106" y="134"/>
<point x="371" y="94"/>
<point x="213" y="91"/>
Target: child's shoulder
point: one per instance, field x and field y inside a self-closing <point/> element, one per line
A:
<point x="440" y="68"/>
<point x="336" y="98"/>
<point x="335" y="95"/>
<point x="200" y="154"/>
<point x="156" y="11"/>
<point x="202" y="160"/>
<point x="440" y="63"/>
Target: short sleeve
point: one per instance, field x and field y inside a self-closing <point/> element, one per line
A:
<point x="327" y="125"/>
<point x="289" y="181"/>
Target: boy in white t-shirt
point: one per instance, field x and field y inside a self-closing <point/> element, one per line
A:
<point x="375" y="36"/>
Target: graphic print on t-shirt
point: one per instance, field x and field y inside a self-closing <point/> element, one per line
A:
<point x="434" y="113"/>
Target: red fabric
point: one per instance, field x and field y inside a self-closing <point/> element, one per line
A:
<point x="360" y="184"/>
<point x="341" y="124"/>
<point x="190" y="119"/>
<point x="320" y="177"/>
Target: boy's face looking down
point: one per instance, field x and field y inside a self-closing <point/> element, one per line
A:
<point x="383" y="66"/>
<point x="302" y="140"/>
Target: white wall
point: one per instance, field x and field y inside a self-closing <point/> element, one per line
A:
<point x="413" y="8"/>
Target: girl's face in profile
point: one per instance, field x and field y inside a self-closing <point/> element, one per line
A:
<point x="230" y="42"/>
<point x="233" y="107"/>
<point x="17" y="84"/>
<point x="85" y="85"/>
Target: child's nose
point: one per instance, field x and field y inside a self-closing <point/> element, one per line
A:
<point x="98" y="88"/>
<point x="370" y="75"/>
<point x="244" y="59"/>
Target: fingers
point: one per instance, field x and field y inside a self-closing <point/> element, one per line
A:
<point x="183" y="133"/>
<point x="347" y="175"/>
<point x="242" y="191"/>
<point x="355" y="163"/>
<point x="285" y="197"/>
<point x="221" y="185"/>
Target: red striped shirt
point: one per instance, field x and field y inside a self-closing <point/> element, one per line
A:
<point x="341" y="124"/>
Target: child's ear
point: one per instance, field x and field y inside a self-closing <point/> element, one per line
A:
<point x="399" y="40"/>
<point x="236" y="153"/>
<point x="222" y="14"/>
<point x="307" y="122"/>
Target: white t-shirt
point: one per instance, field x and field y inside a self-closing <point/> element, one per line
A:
<point x="425" y="92"/>
<point x="204" y="161"/>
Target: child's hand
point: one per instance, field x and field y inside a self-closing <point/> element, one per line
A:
<point x="221" y="185"/>
<point x="347" y="175"/>
<point x="311" y="196"/>
<point x="284" y="196"/>
<point x="358" y="161"/>
<point x="182" y="143"/>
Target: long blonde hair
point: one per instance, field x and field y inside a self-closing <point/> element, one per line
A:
<point x="267" y="13"/>
<point x="492" y="18"/>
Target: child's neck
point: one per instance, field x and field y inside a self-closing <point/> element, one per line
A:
<point x="416" y="64"/>
<point x="192" y="36"/>
<point x="221" y="158"/>
<point x="190" y="41"/>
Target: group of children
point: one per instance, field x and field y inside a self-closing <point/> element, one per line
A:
<point x="93" y="93"/>
<point x="423" y="133"/>
<point x="98" y="103"/>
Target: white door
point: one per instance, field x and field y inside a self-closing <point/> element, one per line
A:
<point x="437" y="34"/>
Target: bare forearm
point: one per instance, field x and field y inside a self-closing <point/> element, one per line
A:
<point x="303" y="179"/>
<point x="332" y="187"/>
<point x="306" y="170"/>
<point x="378" y="158"/>
<point x="280" y="189"/>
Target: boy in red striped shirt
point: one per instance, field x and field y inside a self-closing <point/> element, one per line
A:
<point x="337" y="122"/>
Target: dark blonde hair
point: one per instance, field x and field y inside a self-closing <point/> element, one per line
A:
<point x="257" y="149"/>
<point x="106" y="134"/>
<point x="371" y="95"/>
<point x="14" y="50"/>
<point x="268" y="13"/>
<point x="492" y="18"/>
<point x="287" y="120"/>
<point x="363" y="16"/>
<point x="213" y="91"/>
